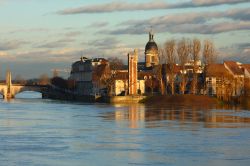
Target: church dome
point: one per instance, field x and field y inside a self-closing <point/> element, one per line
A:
<point x="151" y="45"/>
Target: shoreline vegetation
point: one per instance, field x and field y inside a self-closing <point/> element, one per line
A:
<point x="158" y="100"/>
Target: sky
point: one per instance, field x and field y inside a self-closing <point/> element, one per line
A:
<point x="38" y="36"/>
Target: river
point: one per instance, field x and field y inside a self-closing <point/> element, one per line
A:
<point x="37" y="132"/>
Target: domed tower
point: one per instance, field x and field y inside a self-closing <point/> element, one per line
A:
<point x="151" y="52"/>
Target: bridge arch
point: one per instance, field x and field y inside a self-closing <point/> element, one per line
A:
<point x="29" y="95"/>
<point x="9" y="90"/>
<point x="20" y="89"/>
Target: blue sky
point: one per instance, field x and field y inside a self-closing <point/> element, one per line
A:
<point x="37" y="36"/>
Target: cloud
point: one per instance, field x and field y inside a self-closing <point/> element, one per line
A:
<point x="3" y="54"/>
<point x="211" y="29"/>
<point x="56" y="44"/>
<point x="238" y="14"/>
<point x="196" y="22"/>
<point x="243" y="46"/>
<point x="73" y="34"/>
<point x="51" y="45"/>
<point x="217" y="2"/>
<point x="10" y="45"/>
<point x="106" y="43"/>
<point x="31" y="30"/>
<point x="100" y="24"/>
<point x="237" y="52"/>
<point x="56" y="55"/>
<point x="152" y="5"/>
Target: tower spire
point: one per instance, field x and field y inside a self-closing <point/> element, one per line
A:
<point x="151" y="34"/>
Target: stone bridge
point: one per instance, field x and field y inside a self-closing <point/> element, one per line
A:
<point x="9" y="90"/>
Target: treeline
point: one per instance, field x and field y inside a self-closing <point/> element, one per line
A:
<point x="181" y="52"/>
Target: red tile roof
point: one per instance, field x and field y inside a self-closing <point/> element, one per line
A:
<point x="216" y="70"/>
<point x="124" y="75"/>
<point x="234" y="67"/>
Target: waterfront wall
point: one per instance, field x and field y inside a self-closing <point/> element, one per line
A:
<point x="123" y="99"/>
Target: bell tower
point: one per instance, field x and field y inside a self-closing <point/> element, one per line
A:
<point x="151" y="51"/>
<point x="132" y="72"/>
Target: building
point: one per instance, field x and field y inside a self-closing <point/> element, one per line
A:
<point x="85" y="74"/>
<point x="151" y="52"/>
<point x="121" y="85"/>
<point x="99" y="61"/>
<point x="132" y="72"/>
<point x="189" y="67"/>
<point x="81" y="73"/>
<point x="215" y="75"/>
<point x="225" y="79"/>
<point x="127" y="82"/>
<point x="246" y="68"/>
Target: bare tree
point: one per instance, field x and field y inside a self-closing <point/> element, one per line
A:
<point x="19" y="79"/>
<point x="115" y="64"/>
<point x="183" y="53"/>
<point x="209" y="57"/>
<point x="157" y="71"/>
<point x="55" y="73"/>
<point x="44" y="79"/>
<point x="169" y="54"/>
<point x="195" y="49"/>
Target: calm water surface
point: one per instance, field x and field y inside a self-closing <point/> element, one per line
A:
<point x="52" y="133"/>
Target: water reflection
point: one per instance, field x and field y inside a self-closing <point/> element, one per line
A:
<point x="35" y="131"/>
<point x="211" y="117"/>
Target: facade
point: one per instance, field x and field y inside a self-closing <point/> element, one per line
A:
<point x="127" y="82"/>
<point x="84" y="74"/>
<point x="246" y="68"/>
<point x="121" y="85"/>
<point x="151" y="52"/>
<point x="81" y="73"/>
<point x="189" y="67"/>
<point x="225" y="79"/>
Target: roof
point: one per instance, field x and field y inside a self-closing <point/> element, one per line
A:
<point x="246" y="67"/>
<point x="216" y="70"/>
<point x="124" y="75"/>
<point x="99" y="60"/>
<point x="234" y="67"/>
<point x="166" y="68"/>
<point x="151" y="45"/>
<point x="121" y="76"/>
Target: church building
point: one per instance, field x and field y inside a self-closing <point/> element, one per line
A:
<point x="151" y="52"/>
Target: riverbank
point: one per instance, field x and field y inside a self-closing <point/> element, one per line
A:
<point x="180" y="99"/>
<point x="246" y="101"/>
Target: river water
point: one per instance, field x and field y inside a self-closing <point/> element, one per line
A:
<point x="53" y="133"/>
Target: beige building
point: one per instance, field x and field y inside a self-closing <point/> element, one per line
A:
<point x="121" y="85"/>
<point x="225" y="79"/>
